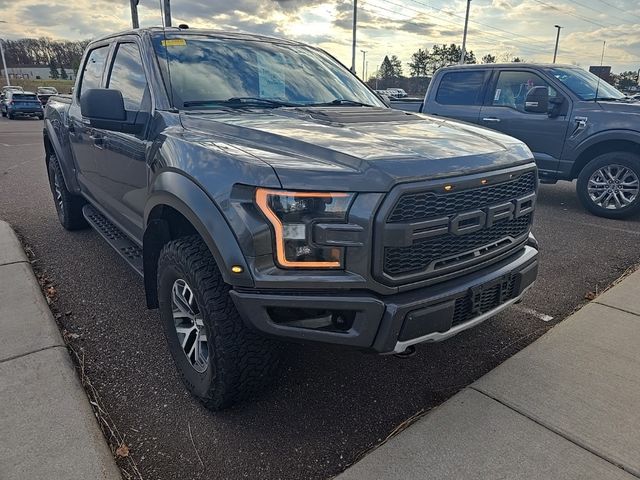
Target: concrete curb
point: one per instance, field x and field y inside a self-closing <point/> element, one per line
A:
<point x="48" y="427"/>
<point x="565" y="407"/>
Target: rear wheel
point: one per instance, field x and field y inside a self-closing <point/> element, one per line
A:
<point x="220" y="360"/>
<point x="609" y="185"/>
<point x="68" y="206"/>
<point x="10" y="115"/>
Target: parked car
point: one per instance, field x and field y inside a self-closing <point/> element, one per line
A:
<point x="292" y="204"/>
<point x="577" y="125"/>
<point x="397" y="92"/>
<point x="44" y="93"/>
<point x="18" y="103"/>
<point x="9" y="88"/>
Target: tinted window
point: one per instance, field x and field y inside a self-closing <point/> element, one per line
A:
<point x="92" y="74"/>
<point x="461" y="88"/>
<point x="22" y="97"/>
<point x="585" y="84"/>
<point x="512" y="88"/>
<point x="127" y="75"/>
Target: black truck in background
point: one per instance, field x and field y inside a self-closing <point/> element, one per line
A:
<point x="263" y="192"/>
<point x="577" y="125"/>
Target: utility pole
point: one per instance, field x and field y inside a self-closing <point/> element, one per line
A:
<point x="364" y="56"/>
<point x="167" y="13"/>
<point x="555" y="51"/>
<point x="464" y="35"/>
<point x="4" y="62"/>
<point x="353" y="45"/>
<point x="134" y="13"/>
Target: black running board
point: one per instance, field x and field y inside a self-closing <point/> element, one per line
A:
<point x="115" y="237"/>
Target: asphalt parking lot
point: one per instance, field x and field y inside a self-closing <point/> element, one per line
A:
<point x="329" y="405"/>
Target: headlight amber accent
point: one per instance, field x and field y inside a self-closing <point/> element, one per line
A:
<point x="292" y="215"/>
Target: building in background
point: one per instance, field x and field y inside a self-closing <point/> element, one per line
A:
<point x="604" y="72"/>
<point x="36" y="72"/>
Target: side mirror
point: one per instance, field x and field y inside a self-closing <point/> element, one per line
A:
<point x="537" y="100"/>
<point x="105" y="109"/>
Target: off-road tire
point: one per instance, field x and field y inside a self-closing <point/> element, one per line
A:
<point x="240" y="362"/>
<point x="69" y="206"/>
<point x="626" y="159"/>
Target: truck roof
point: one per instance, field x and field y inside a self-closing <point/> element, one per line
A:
<point x="231" y="34"/>
<point x="509" y="65"/>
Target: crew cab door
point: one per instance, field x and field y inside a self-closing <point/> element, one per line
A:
<point x="504" y="110"/>
<point x="122" y="163"/>
<point x="458" y="95"/>
<point x="82" y="137"/>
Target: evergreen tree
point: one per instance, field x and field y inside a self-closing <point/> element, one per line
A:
<point x="53" y="69"/>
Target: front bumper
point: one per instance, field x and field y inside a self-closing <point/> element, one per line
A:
<point x="390" y="324"/>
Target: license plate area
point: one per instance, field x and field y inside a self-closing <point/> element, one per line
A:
<point x="486" y="297"/>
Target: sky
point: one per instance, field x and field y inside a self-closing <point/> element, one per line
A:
<point x="505" y="28"/>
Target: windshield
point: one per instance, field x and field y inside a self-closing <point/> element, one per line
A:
<point x="207" y="72"/>
<point x="47" y="90"/>
<point x="585" y="84"/>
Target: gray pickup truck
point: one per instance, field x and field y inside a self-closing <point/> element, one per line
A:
<point x="577" y="125"/>
<point x="263" y="192"/>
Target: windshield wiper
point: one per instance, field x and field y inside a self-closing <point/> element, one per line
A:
<point x="240" y="102"/>
<point x="339" y="101"/>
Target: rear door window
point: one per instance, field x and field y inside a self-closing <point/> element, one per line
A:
<point x="461" y="88"/>
<point x="93" y="68"/>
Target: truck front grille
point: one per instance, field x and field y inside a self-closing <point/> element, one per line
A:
<point x="423" y="205"/>
<point x="421" y="230"/>
<point x="450" y="249"/>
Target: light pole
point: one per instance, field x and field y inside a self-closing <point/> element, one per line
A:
<point x="4" y="62"/>
<point x="364" y="56"/>
<point x="353" y="44"/>
<point x="464" y="35"/>
<point x="167" y="13"/>
<point x="555" y="51"/>
<point x="134" y="13"/>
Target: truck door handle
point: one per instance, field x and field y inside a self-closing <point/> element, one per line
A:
<point x="97" y="140"/>
<point x="491" y="119"/>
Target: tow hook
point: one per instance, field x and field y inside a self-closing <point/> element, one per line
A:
<point x="410" y="351"/>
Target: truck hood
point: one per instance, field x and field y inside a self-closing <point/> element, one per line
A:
<point x="358" y="148"/>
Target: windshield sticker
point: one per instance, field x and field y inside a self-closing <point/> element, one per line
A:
<point x="174" y="42"/>
<point x="271" y="75"/>
<point x="497" y="95"/>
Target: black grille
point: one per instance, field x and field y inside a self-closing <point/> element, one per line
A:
<point x="476" y="304"/>
<point x="420" y="255"/>
<point x="418" y="206"/>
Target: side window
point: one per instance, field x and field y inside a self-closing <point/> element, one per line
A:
<point x="92" y="73"/>
<point x="461" y="88"/>
<point x="512" y="88"/>
<point x="127" y="75"/>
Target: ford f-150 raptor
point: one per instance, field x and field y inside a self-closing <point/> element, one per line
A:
<point x="264" y="192"/>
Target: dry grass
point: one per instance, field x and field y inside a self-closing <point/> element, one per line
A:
<point x="63" y="86"/>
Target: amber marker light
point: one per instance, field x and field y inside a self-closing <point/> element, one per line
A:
<point x="448" y="188"/>
<point x="237" y="269"/>
<point x="301" y="228"/>
<point x="484" y="181"/>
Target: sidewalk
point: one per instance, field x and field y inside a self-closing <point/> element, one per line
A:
<point x="48" y="430"/>
<point x="566" y="407"/>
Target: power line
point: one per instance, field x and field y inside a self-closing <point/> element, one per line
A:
<point x="595" y="10"/>
<point x="565" y="12"/>
<point x="619" y="9"/>
<point x="525" y="46"/>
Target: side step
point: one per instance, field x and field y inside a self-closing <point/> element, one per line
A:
<point x="131" y="252"/>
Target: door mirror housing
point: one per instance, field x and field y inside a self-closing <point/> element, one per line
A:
<point x="537" y="100"/>
<point x="104" y="108"/>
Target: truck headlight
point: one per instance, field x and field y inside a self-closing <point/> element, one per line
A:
<point x="292" y="216"/>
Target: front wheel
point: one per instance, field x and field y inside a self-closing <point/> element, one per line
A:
<point x="609" y="185"/>
<point x="220" y="360"/>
